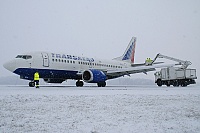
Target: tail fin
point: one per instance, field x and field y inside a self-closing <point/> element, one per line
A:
<point x="129" y="54"/>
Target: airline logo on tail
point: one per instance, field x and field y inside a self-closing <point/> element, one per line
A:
<point x="130" y="51"/>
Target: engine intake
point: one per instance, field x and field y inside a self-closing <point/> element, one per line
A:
<point x="94" y="76"/>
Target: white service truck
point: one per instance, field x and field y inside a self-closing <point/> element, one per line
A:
<point x="176" y="76"/>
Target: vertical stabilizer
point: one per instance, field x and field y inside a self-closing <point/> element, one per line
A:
<point x="129" y="54"/>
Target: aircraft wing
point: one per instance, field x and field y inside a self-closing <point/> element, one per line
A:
<point x="143" y="64"/>
<point x="136" y="69"/>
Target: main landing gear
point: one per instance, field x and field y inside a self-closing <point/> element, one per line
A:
<point x="101" y="84"/>
<point x="79" y="83"/>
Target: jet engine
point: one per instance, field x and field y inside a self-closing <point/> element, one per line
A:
<point x="94" y="76"/>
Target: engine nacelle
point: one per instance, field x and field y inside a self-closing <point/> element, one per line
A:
<point x="54" y="80"/>
<point x="94" y="76"/>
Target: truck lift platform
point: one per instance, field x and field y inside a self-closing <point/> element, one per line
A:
<point x="176" y="76"/>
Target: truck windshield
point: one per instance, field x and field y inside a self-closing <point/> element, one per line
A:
<point x="24" y="56"/>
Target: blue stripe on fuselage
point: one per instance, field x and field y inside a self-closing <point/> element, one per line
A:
<point x="28" y="73"/>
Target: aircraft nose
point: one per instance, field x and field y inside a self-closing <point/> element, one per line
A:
<point x="11" y="65"/>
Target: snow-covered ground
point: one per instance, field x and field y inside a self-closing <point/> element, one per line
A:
<point x="145" y="109"/>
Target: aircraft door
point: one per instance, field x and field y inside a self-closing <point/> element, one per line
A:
<point x="45" y="59"/>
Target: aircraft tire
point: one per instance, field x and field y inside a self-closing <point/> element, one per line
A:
<point x="101" y="84"/>
<point x="79" y="83"/>
<point x="31" y="84"/>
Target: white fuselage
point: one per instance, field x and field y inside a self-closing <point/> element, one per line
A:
<point x="61" y="66"/>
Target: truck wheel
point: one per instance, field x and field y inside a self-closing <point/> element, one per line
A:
<point x="183" y="84"/>
<point x="168" y="83"/>
<point x="175" y="84"/>
<point x="159" y="83"/>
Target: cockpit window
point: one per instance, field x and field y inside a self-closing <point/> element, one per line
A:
<point x="24" y="56"/>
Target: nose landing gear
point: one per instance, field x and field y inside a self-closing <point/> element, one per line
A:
<point x="32" y="84"/>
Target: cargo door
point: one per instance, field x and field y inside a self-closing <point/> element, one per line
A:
<point x="45" y="59"/>
<point x="180" y="74"/>
<point x="193" y="73"/>
<point x="164" y="74"/>
<point x="172" y="73"/>
<point x="190" y="73"/>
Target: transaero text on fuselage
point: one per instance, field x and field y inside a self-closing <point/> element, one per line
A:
<point x="64" y="56"/>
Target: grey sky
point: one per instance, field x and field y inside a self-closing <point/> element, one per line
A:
<point x="100" y="28"/>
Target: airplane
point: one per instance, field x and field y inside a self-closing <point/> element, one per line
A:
<point x="59" y="67"/>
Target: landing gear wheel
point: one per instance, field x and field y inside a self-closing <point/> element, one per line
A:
<point x="79" y="83"/>
<point x="31" y="84"/>
<point x="101" y="84"/>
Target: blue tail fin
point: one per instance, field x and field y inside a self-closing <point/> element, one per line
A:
<point x="129" y="53"/>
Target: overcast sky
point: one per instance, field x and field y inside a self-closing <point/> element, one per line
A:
<point x="101" y="28"/>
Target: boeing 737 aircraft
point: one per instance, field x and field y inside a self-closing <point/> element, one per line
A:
<point x="58" y="67"/>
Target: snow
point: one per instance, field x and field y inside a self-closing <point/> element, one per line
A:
<point x="113" y="109"/>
